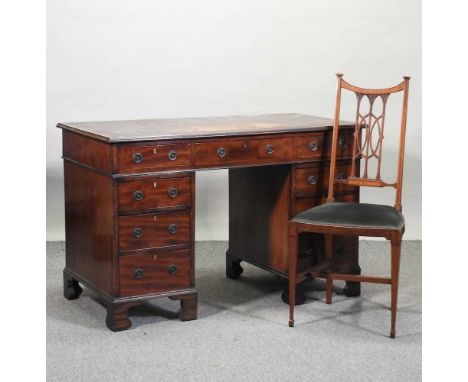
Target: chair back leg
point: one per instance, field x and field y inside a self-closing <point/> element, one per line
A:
<point x="292" y="258"/>
<point x="395" y="273"/>
<point x="329" y="257"/>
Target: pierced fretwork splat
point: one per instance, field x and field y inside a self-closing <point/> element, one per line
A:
<point x="366" y="126"/>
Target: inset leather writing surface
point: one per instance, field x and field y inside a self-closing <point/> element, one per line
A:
<point x="162" y="129"/>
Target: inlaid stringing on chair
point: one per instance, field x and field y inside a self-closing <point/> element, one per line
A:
<point x="357" y="219"/>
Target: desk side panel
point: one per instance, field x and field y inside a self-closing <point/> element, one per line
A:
<point x="89" y="225"/>
<point x="87" y="151"/>
<point x="258" y="214"/>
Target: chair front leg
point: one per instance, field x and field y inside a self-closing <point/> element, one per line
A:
<point x="396" y="251"/>
<point x="292" y="259"/>
<point x="329" y="257"/>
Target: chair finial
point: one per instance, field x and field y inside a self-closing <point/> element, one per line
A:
<point x="339" y="75"/>
<point x="406" y="78"/>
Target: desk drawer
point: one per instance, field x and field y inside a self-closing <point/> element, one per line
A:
<point x="154" y="273"/>
<point x="235" y="151"/>
<point x="152" y="157"/>
<point x="154" y="193"/>
<point x="154" y="230"/>
<point x="312" y="180"/>
<point x="309" y="145"/>
<point x="345" y="144"/>
<point x="316" y="145"/>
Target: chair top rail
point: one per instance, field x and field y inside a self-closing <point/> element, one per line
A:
<point x="356" y="89"/>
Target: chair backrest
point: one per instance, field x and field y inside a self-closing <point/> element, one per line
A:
<point x="368" y="138"/>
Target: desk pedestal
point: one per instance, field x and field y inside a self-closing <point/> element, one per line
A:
<point x="261" y="202"/>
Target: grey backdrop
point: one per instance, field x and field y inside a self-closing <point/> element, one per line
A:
<point x="117" y="59"/>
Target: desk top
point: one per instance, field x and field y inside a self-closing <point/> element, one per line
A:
<point x="186" y="128"/>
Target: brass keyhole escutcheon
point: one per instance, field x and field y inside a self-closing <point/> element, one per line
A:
<point x="155" y="151"/>
<point x="155" y="184"/>
<point x="155" y="257"/>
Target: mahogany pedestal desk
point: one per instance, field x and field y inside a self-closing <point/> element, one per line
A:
<point x="130" y="193"/>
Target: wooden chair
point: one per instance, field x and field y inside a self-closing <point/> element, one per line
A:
<point x="357" y="219"/>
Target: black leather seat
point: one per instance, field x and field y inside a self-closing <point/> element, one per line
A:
<point x="355" y="215"/>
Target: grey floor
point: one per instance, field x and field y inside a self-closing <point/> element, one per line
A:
<point x="241" y="333"/>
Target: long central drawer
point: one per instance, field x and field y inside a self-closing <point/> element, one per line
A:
<point x="243" y="150"/>
<point x="154" y="230"/>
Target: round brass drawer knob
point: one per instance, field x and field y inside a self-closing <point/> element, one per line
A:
<point x="172" y="228"/>
<point x="138" y="273"/>
<point x="269" y="149"/>
<point x="137" y="158"/>
<point x="172" y="155"/>
<point x="342" y="143"/>
<point x="137" y="232"/>
<point x="172" y="192"/>
<point x="138" y="195"/>
<point x="172" y="269"/>
<point x="221" y="152"/>
<point x="312" y="179"/>
<point x="313" y="146"/>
